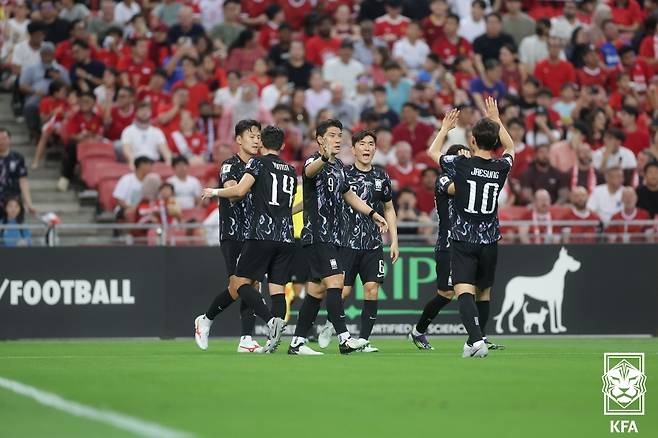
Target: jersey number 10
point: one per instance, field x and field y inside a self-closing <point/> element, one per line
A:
<point x="487" y="197"/>
<point x="287" y="183"/>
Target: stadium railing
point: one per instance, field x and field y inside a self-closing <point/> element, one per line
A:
<point x="196" y="234"/>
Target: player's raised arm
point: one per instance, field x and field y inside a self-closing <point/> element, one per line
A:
<point x="491" y="107"/>
<point x="237" y="191"/>
<point x="449" y="122"/>
<point x="392" y="221"/>
<point x="359" y="205"/>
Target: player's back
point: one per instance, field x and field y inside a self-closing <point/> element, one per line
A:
<point x="272" y="197"/>
<point x="478" y="182"/>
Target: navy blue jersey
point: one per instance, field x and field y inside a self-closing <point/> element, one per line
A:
<point x="233" y="217"/>
<point x="374" y="187"/>
<point x="478" y="183"/>
<point x="323" y="203"/>
<point x="272" y="195"/>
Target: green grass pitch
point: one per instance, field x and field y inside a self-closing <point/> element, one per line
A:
<point x="534" y="388"/>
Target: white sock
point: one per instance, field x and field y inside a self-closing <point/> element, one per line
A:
<point x="297" y="340"/>
<point x="415" y="332"/>
<point x="342" y="337"/>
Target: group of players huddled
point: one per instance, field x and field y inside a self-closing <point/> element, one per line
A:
<point x="346" y="209"/>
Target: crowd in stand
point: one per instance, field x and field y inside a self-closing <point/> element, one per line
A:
<point x="164" y="83"/>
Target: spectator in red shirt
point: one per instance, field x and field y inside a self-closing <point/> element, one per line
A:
<point x="553" y="72"/>
<point x="197" y="90"/>
<point x="244" y="52"/>
<point x="425" y="190"/>
<point x="638" y="70"/>
<point x="626" y="14"/>
<point x="580" y="212"/>
<point x="137" y="68"/>
<point x="524" y="153"/>
<point x="411" y="130"/>
<point x="433" y="24"/>
<point x="404" y="173"/>
<point x="52" y="111"/>
<point x="187" y="141"/>
<point x="637" y="139"/>
<point x="540" y="228"/>
<point x="154" y="91"/>
<point x="168" y="115"/>
<point x="295" y="11"/>
<point x="120" y="115"/>
<point x="628" y="232"/>
<point x="269" y="32"/>
<point x="83" y="125"/>
<point x="322" y="46"/>
<point x="393" y="25"/>
<point x="591" y="73"/>
<point x="649" y="46"/>
<point x="450" y="45"/>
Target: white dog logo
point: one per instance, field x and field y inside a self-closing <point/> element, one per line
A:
<point x="548" y="288"/>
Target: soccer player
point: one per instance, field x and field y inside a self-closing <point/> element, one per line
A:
<point x="233" y="219"/>
<point x="325" y="190"/>
<point x="361" y="241"/>
<point x="475" y="230"/>
<point x="268" y="248"/>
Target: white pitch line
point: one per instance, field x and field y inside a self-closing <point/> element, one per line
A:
<point x="121" y="421"/>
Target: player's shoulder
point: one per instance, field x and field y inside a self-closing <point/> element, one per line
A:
<point x="505" y="160"/>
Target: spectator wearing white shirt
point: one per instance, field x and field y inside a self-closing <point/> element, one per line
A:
<point x="534" y="48"/>
<point x="473" y="25"/>
<point x="128" y="191"/>
<point x="187" y="188"/>
<point x="412" y="50"/>
<point x="605" y="199"/>
<point x="613" y="154"/>
<point x="125" y="10"/>
<point x="27" y="52"/>
<point x="230" y="95"/>
<point x="141" y="139"/>
<point x="343" y="68"/>
<point x="562" y="27"/>
<point x="318" y="96"/>
<point x="278" y="92"/>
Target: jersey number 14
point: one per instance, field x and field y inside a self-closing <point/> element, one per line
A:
<point x="489" y="196"/>
<point x="287" y="184"/>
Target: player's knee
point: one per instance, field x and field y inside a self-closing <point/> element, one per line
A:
<point x="449" y="294"/>
<point x="333" y="282"/>
<point x="483" y="295"/>
<point x="371" y="291"/>
<point x="347" y="290"/>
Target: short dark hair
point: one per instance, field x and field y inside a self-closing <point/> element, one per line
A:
<point x="429" y="169"/>
<point x="616" y="133"/>
<point x="480" y="3"/>
<point x="453" y="16"/>
<point x="486" y="133"/>
<point x="179" y="159"/>
<point x="272" y="137"/>
<point x="245" y="125"/>
<point x="516" y="121"/>
<point x="6" y="131"/>
<point x="493" y="14"/>
<point x="82" y="44"/>
<point x="55" y="86"/>
<point x="490" y="64"/>
<point x="455" y="148"/>
<point x="649" y="165"/>
<point x="160" y="72"/>
<point x="35" y="26"/>
<point x="168" y="184"/>
<point x="411" y="105"/>
<point x="88" y="94"/>
<point x="624" y="50"/>
<point x="272" y="10"/>
<point x="379" y="89"/>
<point x="630" y="110"/>
<point x="363" y="134"/>
<point x="142" y="160"/>
<point x="323" y="127"/>
<point x="580" y="127"/>
<point x="392" y="65"/>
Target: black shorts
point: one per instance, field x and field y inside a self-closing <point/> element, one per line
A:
<point x="323" y="261"/>
<point x="260" y="257"/>
<point x="299" y="271"/>
<point x="367" y="263"/>
<point x="231" y="250"/>
<point x="474" y="263"/>
<point x="443" y="269"/>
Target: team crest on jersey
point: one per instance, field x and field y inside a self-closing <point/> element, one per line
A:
<point x="378" y="184"/>
<point x="226" y="168"/>
<point x="334" y="264"/>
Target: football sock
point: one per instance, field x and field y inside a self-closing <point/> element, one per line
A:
<point x="255" y="301"/>
<point x="335" y="309"/>
<point x="368" y="317"/>
<point x="220" y="303"/>
<point x="432" y="308"/>
<point x="483" y="312"/>
<point x="469" y="314"/>
<point x="307" y="314"/>
<point x="279" y="305"/>
<point x="343" y="337"/>
<point x="247" y="319"/>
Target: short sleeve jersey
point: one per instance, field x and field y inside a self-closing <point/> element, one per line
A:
<point x="478" y="183"/>
<point x="272" y="196"/>
<point x="233" y="216"/>
<point x="323" y="203"/>
<point x="374" y="187"/>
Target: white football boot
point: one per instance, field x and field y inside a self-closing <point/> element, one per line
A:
<point x="478" y="349"/>
<point x="201" y="331"/>
<point x="326" y="332"/>
<point x="249" y="345"/>
<point x="276" y="326"/>
<point x="303" y="350"/>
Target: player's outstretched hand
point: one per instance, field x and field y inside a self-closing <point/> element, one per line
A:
<point x="395" y="252"/>
<point x="491" y="108"/>
<point x="464" y="152"/>
<point x="208" y="193"/>
<point x="450" y="120"/>
<point x="381" y="222"/>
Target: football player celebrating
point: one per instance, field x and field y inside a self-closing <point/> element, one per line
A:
<point x="361" y="241"/>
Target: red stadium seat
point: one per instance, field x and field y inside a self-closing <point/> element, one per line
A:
<point x="163" y="170"/>
<point x="512" y="213"/>
<point x="95" y="149"/>
<point x="559" y="212"/>
<point x="105" y="189"/>
<point x="95" y="170"/>
<point x="194" y="215"/>
<point x="203" y="171"/>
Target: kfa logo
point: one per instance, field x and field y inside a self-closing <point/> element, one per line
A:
<point x="378" y="184"/>
<point x="624" y="388"/>
<point x="547" y="288"/>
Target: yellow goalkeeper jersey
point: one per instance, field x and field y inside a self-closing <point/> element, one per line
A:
<point x="298" y="219"/>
